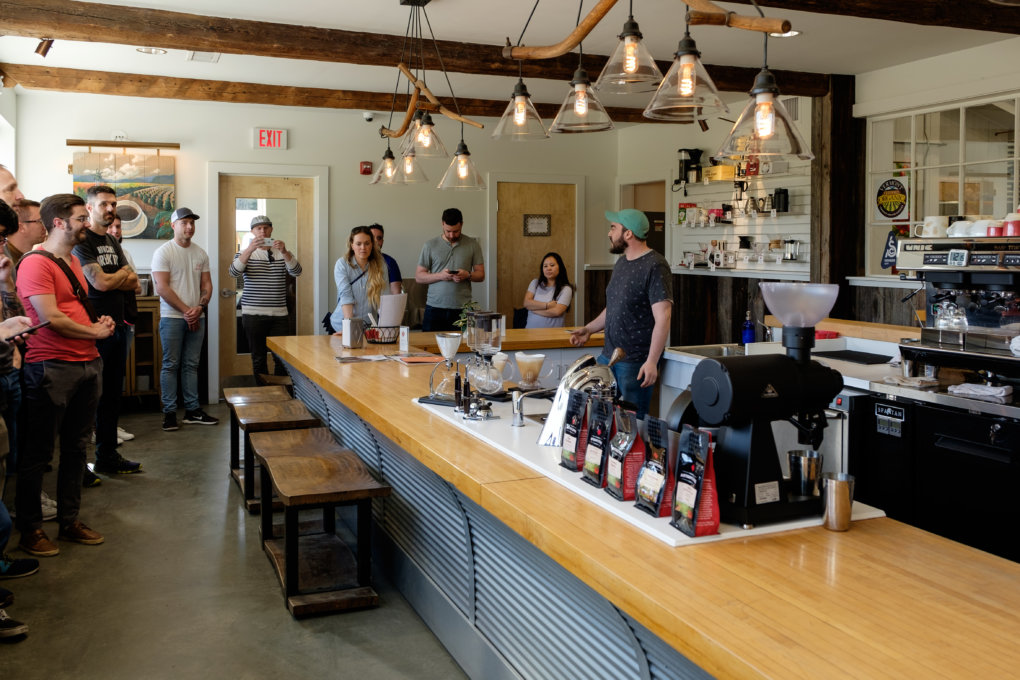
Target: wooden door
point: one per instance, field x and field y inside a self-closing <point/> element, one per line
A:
<point x="289" y="203"/>
<point x="518" y="256"/>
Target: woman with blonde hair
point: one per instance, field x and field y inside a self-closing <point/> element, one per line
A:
<point x="361" y="275"/>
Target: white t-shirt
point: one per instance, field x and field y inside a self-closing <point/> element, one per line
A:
<point x="546" y="295"/>
<point x="186" y="266"/>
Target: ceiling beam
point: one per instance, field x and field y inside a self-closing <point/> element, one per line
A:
<point x="122" y="25"/>
<point x="161" y="87"/>
<point x="976" y="15"/>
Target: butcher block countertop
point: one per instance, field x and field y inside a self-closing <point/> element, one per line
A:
<point x="517" y="339"/>
<point x="883" y="600"/>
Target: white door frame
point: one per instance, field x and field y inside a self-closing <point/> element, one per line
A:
<point x="320" y="237"/>
<point x="580" y="233"/>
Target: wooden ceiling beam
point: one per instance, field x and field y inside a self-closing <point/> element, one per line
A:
<point x="160" y="87"/>
<point x="976" y="16"/>
<point x="122" y="25"/>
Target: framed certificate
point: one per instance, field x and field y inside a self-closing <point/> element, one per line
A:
<point x="537" y="225"/>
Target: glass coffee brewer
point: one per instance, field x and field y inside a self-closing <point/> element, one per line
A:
<point x="449" y="345"/>
<point x="740" y="396"/>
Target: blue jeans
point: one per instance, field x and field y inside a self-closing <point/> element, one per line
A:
<point x="182" y="350"/>
<point x="629" y="385"/>
<point x="5" y="527"/>
<point x="10" y="385"/>
<point x="439" y="319"/>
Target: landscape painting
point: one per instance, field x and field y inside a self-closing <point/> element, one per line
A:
<point x="144" y="184"/>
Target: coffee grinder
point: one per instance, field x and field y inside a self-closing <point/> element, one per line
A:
<point x="740" y="396"/>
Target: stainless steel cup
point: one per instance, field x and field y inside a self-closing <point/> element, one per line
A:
<point x="838" y="491"/>
<point x="805" y="466"/>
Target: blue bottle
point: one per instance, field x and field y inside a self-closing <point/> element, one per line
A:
<point x="747" y="330"/>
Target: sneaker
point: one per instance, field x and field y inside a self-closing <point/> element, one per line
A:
<point x="16" y="568"/>
<point x="124" y="435"/>
<point x="46" y="504"/>
<point x="117" y="465"/>
<point x="44" y="499"/>
<point x="89" y="479"/>
<point x="37" y="543"/>
<point x="200" y="417"/>
<point x="6" y="598"/>
<point x="9" y="627"/>
<point x="77" y="532"/>
<point x="169" y="422"/>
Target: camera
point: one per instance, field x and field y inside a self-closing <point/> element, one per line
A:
<point x="368" y="116"/>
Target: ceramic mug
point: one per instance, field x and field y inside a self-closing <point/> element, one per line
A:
<point x="1011" y="228"/>
<point x="934" y="226"/>
<point x="995" y="231"/>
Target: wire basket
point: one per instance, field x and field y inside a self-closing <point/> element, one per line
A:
<point x="382" y="335"/>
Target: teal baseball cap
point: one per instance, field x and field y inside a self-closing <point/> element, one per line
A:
<point x="632" y="219"/>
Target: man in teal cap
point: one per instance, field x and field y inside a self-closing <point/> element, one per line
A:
<point x="639" y="304"/>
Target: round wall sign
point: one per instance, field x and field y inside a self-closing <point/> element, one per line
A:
<point x="892" y="198"/>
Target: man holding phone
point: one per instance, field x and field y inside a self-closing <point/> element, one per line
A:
<point x="265" y="265"/>
<point x="449" y="264"/>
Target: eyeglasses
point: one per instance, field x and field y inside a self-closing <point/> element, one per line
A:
<point x="81" y="219"/>
<point x="30" y="221"/>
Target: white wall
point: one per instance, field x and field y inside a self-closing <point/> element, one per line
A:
<point x="8" y="124"/>
<point x="979" y="71"/>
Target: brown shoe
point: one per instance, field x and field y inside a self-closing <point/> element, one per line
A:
<point x="79" y="533"/>
<point x="37" y="543"/>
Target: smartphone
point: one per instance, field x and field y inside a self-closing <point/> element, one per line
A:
<point x="30" y="329"/>
<point x="267" y="242"/>
<point x="451" y="271"/>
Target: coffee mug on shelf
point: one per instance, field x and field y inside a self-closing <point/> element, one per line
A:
<point x="934" y="226"/>
<point x="1011" y="228"/>
<point x="995" y="231"/>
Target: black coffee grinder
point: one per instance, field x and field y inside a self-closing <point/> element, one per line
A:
<point x="740" y="396"/>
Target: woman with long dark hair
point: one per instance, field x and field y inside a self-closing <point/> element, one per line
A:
<point x="548" y="296"/>
<point x="360" y="277"/>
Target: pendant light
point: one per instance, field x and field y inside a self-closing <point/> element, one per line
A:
<point x="631" y="67"/>
<point x="520" y="121"/>
<point x="426" y="142"/>
<point x="687" y="93"/>
<point x="462" y="174"/>
<point x="409" y="170"/>
<point x="581" y="110"/>
<point x="387" y="171"/>
<point x="764" y="128"/>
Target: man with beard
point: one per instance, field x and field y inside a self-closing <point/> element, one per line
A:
<point x="639" y="304"/>
<point x="449" y="264"/>
<point x="62" y="375"/>
<point x="110" y="279"/>
<point x="180" y="272"/>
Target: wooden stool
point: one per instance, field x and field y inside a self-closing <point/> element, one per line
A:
<point x="276" y="381"/>
<point x="266" y="417"/>
<point x="333" y="578"/>
<point x="246" y="395"/>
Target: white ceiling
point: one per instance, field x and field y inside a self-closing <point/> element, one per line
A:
<point x="828" y="44"/>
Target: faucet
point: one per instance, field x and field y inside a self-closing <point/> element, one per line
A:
<point x="517" y="398"/>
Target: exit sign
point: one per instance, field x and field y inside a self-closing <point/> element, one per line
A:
<point x="270" y="138"/>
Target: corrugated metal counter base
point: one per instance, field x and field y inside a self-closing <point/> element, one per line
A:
<point x="519" y="443"/>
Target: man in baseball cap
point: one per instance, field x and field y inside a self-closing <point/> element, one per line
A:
<point x="639" y="304"/>
<point x="182" y="213"/>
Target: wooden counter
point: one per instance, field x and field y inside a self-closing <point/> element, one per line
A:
<point x="517" y="339"/>
<point x="882" y="600"/>
<point x="859" y="329"/>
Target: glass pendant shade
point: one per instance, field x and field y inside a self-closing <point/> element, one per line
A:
<point x="764" y="128"/>
<point x="520" y="121"/>
<point x="687" y="93"/>
<point x="387" y="170"/>
<point x="426" y="141"/>
<point x="407" y="141"/>
<point x="409" y="170"/>
<point x="631" y="68"/>
<point x="462" y="173"/>
<point x="581" y="111"/>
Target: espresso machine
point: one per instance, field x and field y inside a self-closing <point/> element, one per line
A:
<point x="740" y="396"/>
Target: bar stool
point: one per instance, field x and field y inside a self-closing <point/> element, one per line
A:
<point x="246" y="395"/>
<point x="333" y="578"/>
<point x="267" y="417"/>
<point x="268" y="379"/>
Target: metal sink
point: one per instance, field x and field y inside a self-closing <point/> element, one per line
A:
<point x="711" y="351"/>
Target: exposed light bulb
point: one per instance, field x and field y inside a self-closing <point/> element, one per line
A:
<point x="581" y="99"/>
<point x="389" y="167"/>
<point x="408" y="165"/>
<point x="764" y="115"/>
<point x="630" y="54"/>
<point x="687" y="79"/>
<point x="520" y="110"/>
<point x="462" y="166"/>
<point x="425" y="136"/>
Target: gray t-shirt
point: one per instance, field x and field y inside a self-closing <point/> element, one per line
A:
<point x="636" y="286"/>
<point x="439" y="255"/>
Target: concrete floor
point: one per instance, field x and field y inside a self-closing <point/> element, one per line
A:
<point x="182" y="589"/>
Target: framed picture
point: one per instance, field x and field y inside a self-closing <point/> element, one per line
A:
<point x="537" y="225"/>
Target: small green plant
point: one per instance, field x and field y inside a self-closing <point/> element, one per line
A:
<point x="468" y="307"/>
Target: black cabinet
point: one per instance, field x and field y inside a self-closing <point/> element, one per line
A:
<point x="881" y="455"/>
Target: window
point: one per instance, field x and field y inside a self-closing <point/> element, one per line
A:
<point x="958" y="160"/>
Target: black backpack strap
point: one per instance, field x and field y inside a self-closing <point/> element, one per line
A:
<point x="79" y="292"/>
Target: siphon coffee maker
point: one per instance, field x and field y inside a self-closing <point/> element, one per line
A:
<point x="449" y="345"/>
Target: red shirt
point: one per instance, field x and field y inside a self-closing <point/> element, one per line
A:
<point x="38" y="275"/>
